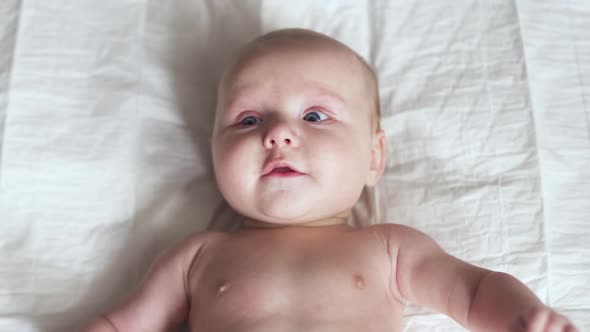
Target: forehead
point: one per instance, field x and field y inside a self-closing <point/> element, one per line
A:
<point x="324" y="69"/>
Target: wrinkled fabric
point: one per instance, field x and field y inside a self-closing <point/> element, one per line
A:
<point x="106" y="109"/>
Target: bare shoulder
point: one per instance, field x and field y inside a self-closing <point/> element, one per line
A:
<point x="408" y="250"/>
<point x="423" y="273"/>
<point x="398" y="236"/>
<point x="195" y="240"/>
<point x="410" y="246"/>
<point x="181" y="255"/>
<point x="160" y="302"/>
<point x="188" y="248"/>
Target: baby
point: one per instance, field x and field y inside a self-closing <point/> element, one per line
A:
<point x="296" y="139"/>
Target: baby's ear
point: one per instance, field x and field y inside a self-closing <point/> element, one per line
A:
<point x="378" y="154"/>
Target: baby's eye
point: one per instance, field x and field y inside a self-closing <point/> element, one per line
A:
<point x="315" y="116"/>
<point x="250" y="120"/>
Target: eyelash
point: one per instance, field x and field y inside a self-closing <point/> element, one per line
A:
<point x="240" y="123"/>
<point x="246" y="117"/>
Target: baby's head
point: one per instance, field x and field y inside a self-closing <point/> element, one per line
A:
<point x="307" y="106"/>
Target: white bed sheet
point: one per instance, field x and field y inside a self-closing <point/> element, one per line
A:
<point x="106" y="107"/>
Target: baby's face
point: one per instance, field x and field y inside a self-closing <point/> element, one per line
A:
<point x="310" y="108"/>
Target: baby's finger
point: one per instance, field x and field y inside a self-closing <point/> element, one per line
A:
<point x="555" y="323"/>
<point x="570" y="328"/>
<point x="518" y="325"/>
<point x="537" y="319"/>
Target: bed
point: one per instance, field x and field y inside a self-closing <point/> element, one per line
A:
<point x="106" y="109"/>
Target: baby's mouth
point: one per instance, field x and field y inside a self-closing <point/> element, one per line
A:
<point x="283" y="172"/>
<point x="280" y="168"/>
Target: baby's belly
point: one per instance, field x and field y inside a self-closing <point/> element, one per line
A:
<point x="284" y="323"/>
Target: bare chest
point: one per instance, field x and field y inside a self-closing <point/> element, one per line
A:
<point x="300" y="279"/>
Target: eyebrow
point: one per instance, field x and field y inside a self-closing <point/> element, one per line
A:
<point x="325" y="92"/>
<point x="317" y="91"/>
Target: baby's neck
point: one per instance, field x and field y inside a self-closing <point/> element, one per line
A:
<point x="338" y="220"/>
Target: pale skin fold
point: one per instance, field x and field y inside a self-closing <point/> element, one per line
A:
<point x="302" y="98"/>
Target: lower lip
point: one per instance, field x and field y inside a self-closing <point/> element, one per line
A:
<point x="283" y="175"/>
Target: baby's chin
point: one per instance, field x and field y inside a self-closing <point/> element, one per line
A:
<point x="280" y="205"/>
<point x="290" y="207"/>
<point x="284" y="212"/>
<point x="292" y="213"/>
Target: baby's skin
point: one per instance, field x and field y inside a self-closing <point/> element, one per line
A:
<point x="295" y="140"/>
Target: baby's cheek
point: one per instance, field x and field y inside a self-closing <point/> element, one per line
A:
<point x="231" y="165"/>
<point x="358" y="154"/>
<point x="347" y="173"/>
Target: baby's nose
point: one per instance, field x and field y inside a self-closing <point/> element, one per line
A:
<point x="280" y="135"/>
<point x="272" y="142"/>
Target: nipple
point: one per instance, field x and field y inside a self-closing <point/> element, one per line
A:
<point x="222" y="287"/>
<point x="359" y="282"/>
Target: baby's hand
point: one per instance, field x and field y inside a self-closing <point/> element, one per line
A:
<point x="541" y="319"/>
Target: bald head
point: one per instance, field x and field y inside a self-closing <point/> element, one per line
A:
<point x="302" y="39"/>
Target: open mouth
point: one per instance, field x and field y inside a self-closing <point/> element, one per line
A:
<point x="283" y="172"/>
<point x="280" y="168"/>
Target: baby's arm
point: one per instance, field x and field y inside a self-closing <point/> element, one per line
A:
<point x="478" y="299"/>
<point x="162" y="300"/>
